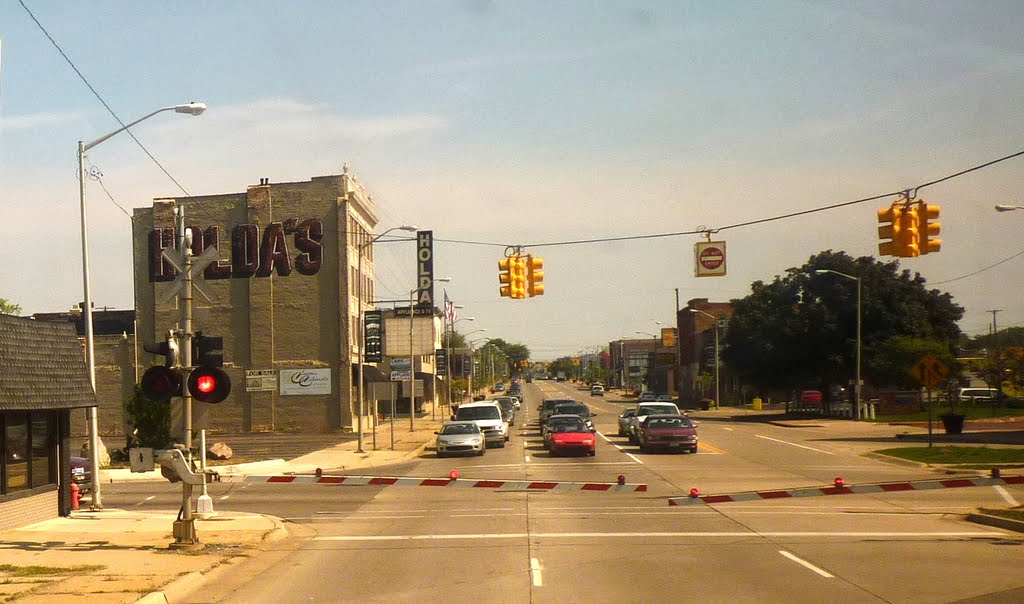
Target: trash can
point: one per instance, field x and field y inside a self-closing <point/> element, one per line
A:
<point x="756" y="403"/>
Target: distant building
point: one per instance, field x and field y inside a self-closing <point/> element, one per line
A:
<point x="697" y="348"/>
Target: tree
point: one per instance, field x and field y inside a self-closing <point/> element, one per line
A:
<point x="800" y="329"/>
<point x="9" y="308"/>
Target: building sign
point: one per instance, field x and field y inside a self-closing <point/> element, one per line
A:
<point x="425" y="268"/>
<point x="668" y="337"/>
<point x="440" y="362"/>
<point x="709" y="258"/>
<point x="283" y="246"/>
<point x="373" y="336"/>
<point x="260" y="380"/>
<point x="296" y="382"/>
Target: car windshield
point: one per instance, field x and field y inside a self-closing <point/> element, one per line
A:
<point x="474" y="413"/>
<point x="460" y="429"/>
<point x="669" y="422"/>
<point x="576" y="426"/>
<point x="573" y="410"/>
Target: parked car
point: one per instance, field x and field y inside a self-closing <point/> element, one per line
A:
<point x="486" y="415"/>
<point x="81" y="474"/>
<point x="597" y="390"/>
<point x="673" y="432"/>
<point x="643" y="409"/>
<point x="571" y="436"/>
<point x="977" y="395"/>
<point x="460" y="437"/>
<point x="664" y="398"/>
<point x="624" y="420"/>
<point x="811" y="397"/>
<point x="647" y="396"/>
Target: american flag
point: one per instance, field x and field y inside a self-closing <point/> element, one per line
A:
<point x="449" y="308"/>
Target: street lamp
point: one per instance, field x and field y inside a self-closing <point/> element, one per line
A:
<point x="718" y="393"/>
<point x="362" y="343"/>
<point x="90" y="348"/>
<point x="1006" y="208"/>
<point x="412" y="368"/>
<point x="856" y="386"/>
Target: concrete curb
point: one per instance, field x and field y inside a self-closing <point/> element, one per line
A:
<point x="899" y="461"/>
<point x="179" y="589"/>
<point x="996" y="521"/>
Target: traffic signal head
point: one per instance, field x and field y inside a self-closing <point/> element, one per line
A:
<point x="505" y="277"/>
<point x="909" y="243"/>
<point x="889" y="230"/>
<point x="209" y="384"/>
<point x="535" y="276"/>
<point x="161" y="384"/>
<point x="167" y="349"/>
<point x="517" y="286"/>
<point x="207" y="351"/>
<point x="930" y="227"/>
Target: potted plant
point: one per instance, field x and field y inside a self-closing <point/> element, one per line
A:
<point x="952" y="421"/>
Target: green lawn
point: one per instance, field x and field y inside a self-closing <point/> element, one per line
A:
<point x="958" y="455"/>
<point x="978" y="412"/>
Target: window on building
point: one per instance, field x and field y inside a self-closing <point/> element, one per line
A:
<point x="28" y="445"/>
<point x="42" y="430"/>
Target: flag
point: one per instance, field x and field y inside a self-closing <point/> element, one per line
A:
<point x="449" y="308"/>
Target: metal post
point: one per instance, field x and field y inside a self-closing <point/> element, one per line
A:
<point x="360" y="343"/>
<point x="186" y="535"/>
<point x="412" y="369"/>
<point x="857" y="387"/>
<point x="718" y="393"/>
<point x="90" y="350"/>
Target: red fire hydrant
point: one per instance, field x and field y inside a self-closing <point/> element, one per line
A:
<point x="75" y="495"/>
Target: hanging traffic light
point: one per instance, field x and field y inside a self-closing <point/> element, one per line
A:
<point x="889" y="230"/>
<point x="910" y="234"/>
<point x="517" y="286"/>
<point x="535" y="276"/>
<point x="927" y="216"/>
<point x="160" y="384"/>
<point x="505" y="277"/>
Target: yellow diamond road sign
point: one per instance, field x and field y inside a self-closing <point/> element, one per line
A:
<point x="929" y="371"/>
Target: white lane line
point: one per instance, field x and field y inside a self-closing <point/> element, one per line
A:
<point x="633" y="457"/>
<point x="538" y="580"/>
<point x="479" y="536"/>
<point x="150" y="498"/>
<point x="527" y="458"/>
<point x="1005" y="495"/>
<point x="806" y="564"/>
<point x="224" y="497"/>
<point x="601" y="434"/>
<point x="786" y="442"/>
<point x="729" y="429"/>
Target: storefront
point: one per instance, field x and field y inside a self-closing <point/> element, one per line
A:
<point x="43" y="377"/>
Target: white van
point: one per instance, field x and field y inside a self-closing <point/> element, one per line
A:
<point x="487" y="415"/>
<point x="978" y="395"/>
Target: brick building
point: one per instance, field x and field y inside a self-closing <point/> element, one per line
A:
<point x="697" y="348"/>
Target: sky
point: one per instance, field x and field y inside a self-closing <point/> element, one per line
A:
<point x="529" y="123"/>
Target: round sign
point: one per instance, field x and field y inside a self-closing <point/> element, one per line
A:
<point x="712" y="258"/>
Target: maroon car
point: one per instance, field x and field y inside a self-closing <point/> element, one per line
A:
<point x="672" y="432"/>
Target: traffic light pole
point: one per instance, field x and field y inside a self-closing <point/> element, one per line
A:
<point x="185" y="528"/>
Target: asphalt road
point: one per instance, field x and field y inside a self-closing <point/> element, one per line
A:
<point x="423" y="544"/>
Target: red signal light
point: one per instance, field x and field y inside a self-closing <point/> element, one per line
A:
<point x="161" y="384"/>
<point x="206" y="383"/>
<point x="209" y="384"/>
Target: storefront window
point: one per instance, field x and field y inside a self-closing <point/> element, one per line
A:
<point x="42" y="432"/>
<point x="16" y="452"/>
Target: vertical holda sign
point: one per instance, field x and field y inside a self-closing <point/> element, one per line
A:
<point x="425" y="268"/>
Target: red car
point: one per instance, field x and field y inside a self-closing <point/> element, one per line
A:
<point x="673" y="432"/>
<point x="572" y="437"/>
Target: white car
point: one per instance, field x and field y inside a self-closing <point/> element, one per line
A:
<point x="643" y="410"/>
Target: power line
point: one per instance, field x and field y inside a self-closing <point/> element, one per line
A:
<point x="101" y="100"/>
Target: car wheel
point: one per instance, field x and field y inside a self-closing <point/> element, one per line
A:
<point x="440" y="454"/>
<point x="591" y="453"/>
<point x="643" y="448"/>
<point x="693" y="449"/>
<point x="480" y="453"/>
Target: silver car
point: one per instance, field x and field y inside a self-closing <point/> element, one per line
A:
<point x="624" y="420"/>
<point x="460" y="437"/>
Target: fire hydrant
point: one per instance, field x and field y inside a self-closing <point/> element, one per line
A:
<point x="75" y="495"/>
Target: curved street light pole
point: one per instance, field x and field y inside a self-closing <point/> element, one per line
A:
<point x="362" y="343"/>
<point x="718" y="392"/>
<point x="90" y="346"/>
<point x="856" y="387"/>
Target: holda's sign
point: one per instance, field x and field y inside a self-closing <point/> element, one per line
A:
<point x="282" y="247"/>
<point x="425" y="268"/>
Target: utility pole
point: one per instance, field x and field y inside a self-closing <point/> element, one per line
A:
<point x="999" y="358"/>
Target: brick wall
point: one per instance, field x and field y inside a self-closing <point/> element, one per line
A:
<point x="28" y="510"/>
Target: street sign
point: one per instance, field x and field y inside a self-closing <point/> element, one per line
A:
<point x="373" y="327"/>
<point x="929" y="371"/>
<point x="709" y="258"/>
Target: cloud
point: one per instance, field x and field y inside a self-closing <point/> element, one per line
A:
<point x="33" y="121"/>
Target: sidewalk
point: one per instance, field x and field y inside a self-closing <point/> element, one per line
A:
<point x="121" y="556"/>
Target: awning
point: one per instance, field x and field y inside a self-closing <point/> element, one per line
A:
<point x="373" y="374"/>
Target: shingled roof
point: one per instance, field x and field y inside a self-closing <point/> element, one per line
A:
<point x="42" y="366"/>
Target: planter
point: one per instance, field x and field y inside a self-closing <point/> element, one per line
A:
<point x="953" y="423"/>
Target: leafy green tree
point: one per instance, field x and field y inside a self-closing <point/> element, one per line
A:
<point x="9" y="308"/>
<point x="151" y="421"/>
<point x="890" y="359"/>
<point x="799" y="330"/>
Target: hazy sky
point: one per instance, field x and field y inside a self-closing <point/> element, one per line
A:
<point x="530" y="123"/>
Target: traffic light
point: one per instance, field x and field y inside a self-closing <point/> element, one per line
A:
<point x="910" y="234"/>
<point x="535" y="276"/>
<point x="927" y="216"/>
<point x="889" y="230"/>
<point x="505" y="277"/>
<point x="207" y="351"/>
<point x="161" y="384"/>
<point x="517" y="268"/>
<point x="207" y="382"/>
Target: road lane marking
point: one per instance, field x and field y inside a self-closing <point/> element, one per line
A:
<point x="729" y="429"/>
<point x="150" y="498"/>
<point x="791" y="534"/>
<point x="538" y="580"/>
<point x="633" y="457"/>
<point x="807" y="564"/>
<point x="224" y="497"/>
<point x="527" y="457"/>
<point x="786" y="442"/>
<point x="1006" y="495"/>
<point x="713" y="449"/>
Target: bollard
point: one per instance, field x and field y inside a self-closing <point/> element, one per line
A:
<point x="75" y="495"/>
<point x="995" y="472"/>
<point x="319" y="472"/>
<point x="694" y="492"/>
<point x="839" y="483"/>
<point x="454" y="474"/>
